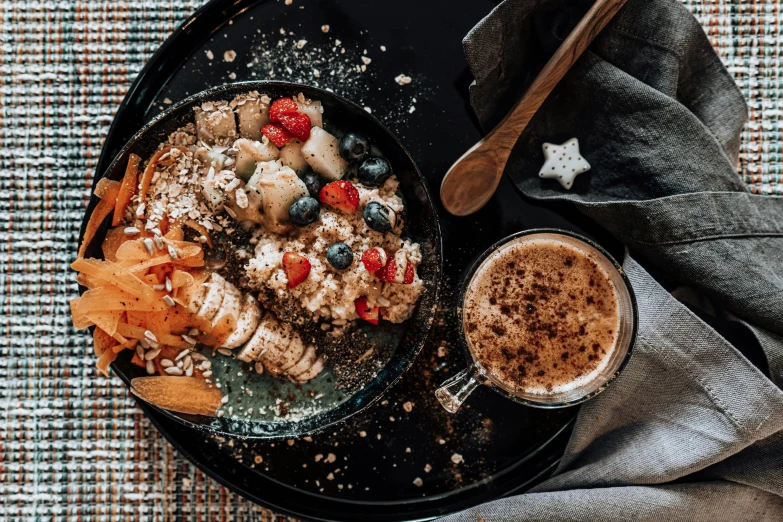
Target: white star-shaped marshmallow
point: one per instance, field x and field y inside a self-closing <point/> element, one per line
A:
<point x="563" y="162"/>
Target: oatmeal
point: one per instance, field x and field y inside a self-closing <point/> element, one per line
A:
<point x="328" y="293"/>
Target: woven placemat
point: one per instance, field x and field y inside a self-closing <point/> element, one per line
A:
<point x="72" y="445"/>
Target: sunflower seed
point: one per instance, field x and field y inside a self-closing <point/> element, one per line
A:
<point x="140" y="352"/>
<point x="153" y="344"/>
<point x="158" y="242"/>
<point x="189" y="371"/>
<point x="231" y="212"/>
<point x="234" y="184"/>
<point x="259" y="367"/>
<point x="193" y="332"/>
<point x="152" y="354"/>
<point x="182" y="354"/>
<point x="158" y="288"/>
<point x="150" y="367"/>
<point x="172" y="252"/>
<point x="150" y="336"/>
<point x="382" y="301"/>
<point x="188" y="339"/>
<point x="166" y="363"/>
<point x="207" y="373"/>
<point x="149" y="246"/>
<point x="180" y="365"/>
<point x="197" y="356"/>
<point x="202" y="239"/>
<point x="223" y="351"/>
<point x="156" y="231"/>
<point x="168" y="300"/>
<point x="131" y="231"/>
<point x="206" y="365"/>
<point x="169" y="286"/>
<point x="145" y="343"/>
<point x="140" y="210"/>
<point x="187" y="362"/>
<point x="173" y="370"/>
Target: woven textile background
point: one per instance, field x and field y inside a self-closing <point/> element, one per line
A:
<point x="72" y="445"/>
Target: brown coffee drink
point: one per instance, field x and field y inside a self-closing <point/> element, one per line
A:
<point x="541" y="316"/>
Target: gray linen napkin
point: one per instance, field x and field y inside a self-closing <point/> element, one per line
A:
<point x="691" y="430"/>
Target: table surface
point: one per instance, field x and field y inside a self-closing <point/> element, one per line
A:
<point x="72" y="444"/>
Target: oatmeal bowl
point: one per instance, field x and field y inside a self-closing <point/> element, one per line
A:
<point x="260" y="260"/>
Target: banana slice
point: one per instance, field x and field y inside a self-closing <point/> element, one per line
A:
<point x="254" y="347"/>
<point x="270" y="336"/>
<point x="213" y="298"/>
<point x="289" y="356"/>
<point x="276" y="337"/>
<point x="232" y="302"/>
<point x="312" y="372"/>
<point x="274" y="371"/>
<point x="304" y="363"/>
<point x="249" y="317"/>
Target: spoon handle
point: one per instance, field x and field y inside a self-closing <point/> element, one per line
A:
<point x="503" y="137"/>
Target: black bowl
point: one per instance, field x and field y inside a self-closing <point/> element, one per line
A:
<point x="421" y="226"/>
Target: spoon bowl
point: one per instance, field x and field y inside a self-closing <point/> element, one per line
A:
<point x="473" y="179"/>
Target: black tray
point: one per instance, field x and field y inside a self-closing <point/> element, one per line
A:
<point x="505" y="447"/>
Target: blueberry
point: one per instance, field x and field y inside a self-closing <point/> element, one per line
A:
<point x="374" y="171"/>
<point x="313" y="183"/>
<point x="339" y="256"/>
<point x="379" y="217"/>
<point x="304" y="211"/>
<point x="354" y="147"/>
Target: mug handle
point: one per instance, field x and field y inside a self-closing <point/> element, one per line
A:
<point x="455" y="390"/>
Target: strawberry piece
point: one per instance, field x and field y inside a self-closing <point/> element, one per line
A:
<point x="410" y="272"/>
<point x="276" y="134"/>
<point x="282" y="106"/>
<point x="391" y="273"/>
<point x="297" y="124"/>
<point x="386" y="274"/>
<point x="341" y="195"/>
<point x="374" y="259"/>
<point x="371" y="315"/>
<point x="296" y="268"/>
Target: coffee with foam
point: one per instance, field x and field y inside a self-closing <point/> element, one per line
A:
<point x="541" y="316"/>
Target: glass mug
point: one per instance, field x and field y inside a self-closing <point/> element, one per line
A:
<point x="455" y="390"/>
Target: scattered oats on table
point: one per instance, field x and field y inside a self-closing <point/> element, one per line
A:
<point x="402" y="79"/>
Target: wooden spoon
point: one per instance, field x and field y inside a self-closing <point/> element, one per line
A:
<point x="473" y="179"/>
